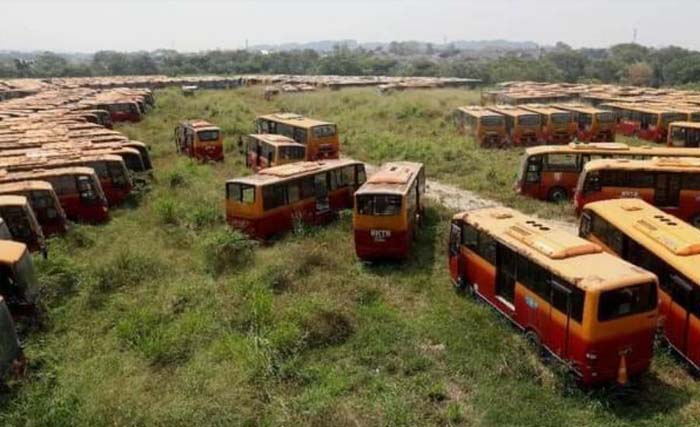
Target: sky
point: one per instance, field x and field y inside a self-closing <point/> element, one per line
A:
<point x="130" y="25"/>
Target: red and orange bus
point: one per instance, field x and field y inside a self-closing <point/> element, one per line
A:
<point x="388" y="211"/>
<point x="267" y="150"/>
<point x="17" y="213"/>
<point x="114" y="177"/>
<point x="671" y="184"/>
<point x="645" y="236"/>
<point x="558" y="126"/>
<point x="200" y="140"/>
<point x="684" y="134"/>
<point x="276" y="199"/>
<point x="486" y="127"/>
<point x="551" y="172"/>
<point x="78" y="189"/>
<point x="523" y="127"/>
<point x="644" y="121"/>
<point x="44" y="203"/>
<point x="593" y="124"/>
<point x="319" y="137"/>
<point x="589" y="309"/>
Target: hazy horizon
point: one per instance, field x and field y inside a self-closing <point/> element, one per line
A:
<point x="89" y="26"/>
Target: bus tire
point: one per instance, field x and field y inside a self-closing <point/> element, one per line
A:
<point x="535" y="342"/>
<point x="558" y="195"/>
<point x="695" y="221"/>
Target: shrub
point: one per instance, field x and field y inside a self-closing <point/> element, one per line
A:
<point x="227" y="249"/>
<point x="205" y="215"/>
<point x="59" y="277"/>
<point x="176" y="179"/>
<point x="167" y="210"/>
<point x="126" y="269"/>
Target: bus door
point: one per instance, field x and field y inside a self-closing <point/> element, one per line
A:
<point x="85" y="190"/>
<point x="667" y="190"/>
<point x="533" y="175"/>
<point x="559" y="302"/>
<point x="505" y="275"/>
<point x="678" y="318"/>
<point x="321" y="192"/>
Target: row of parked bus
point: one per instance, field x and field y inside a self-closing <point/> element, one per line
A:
<point x="56" y="165"/>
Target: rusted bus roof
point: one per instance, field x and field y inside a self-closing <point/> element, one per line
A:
<point x="478" y="111"/>
<point x="642" y="108"/>
<point x="392" y="178"/>
<point x="668" y="164"/>
<point x="276" y="140"/>
<point x="543" y="109"/>
<point x="580" y="108"/>
<point x="614" y="148"/>
<point x="288" y="171"/>
<point x="198" y="125"/>
<point x="691" y="125"/>
<point x="577" y="260"/>
<point x="674" y="241"/>
<point x="13" y="200"/>
<point x="42" y="160"/>
<point x="510" y="110"/>
<point x="11" y="251"/>
<point x="22" y="186"/>
<point x="38" y="174"/>
<point x="293" y="119"/>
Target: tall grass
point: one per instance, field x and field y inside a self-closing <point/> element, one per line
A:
<point x="163" y="317"/>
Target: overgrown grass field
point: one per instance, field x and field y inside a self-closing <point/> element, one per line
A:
<point x="163" y="317"/>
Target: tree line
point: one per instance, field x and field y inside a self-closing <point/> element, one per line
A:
<point x="623" y="63"/>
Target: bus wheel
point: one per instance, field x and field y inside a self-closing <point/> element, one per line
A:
<point x="558" y="195"/>
<point x="536" y="343"/>
<point x="695" y="221"/>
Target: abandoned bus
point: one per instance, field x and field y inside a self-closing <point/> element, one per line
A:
<point x="320" y="138"/>
<point x="267" y="150"/>
<point x="657" y="242"/>
<point x="22" y="223"/>
<point x="12" y="360"/>
<point x="684" y="134"/>
<point x="199" y="140"/>
<point x="18" y="284"/>
<point x="123" y="110"/>
<point x="486" y="127"/>
<point x="644" y="122"/>
<point x="592" y="124"/>
<point x="275" y="199"/>
<point x="551" y="172"/>
<point x="558" y="126"/>
<point x="77" y="188"/>
<point x="111" y="170"/>
<point x="595" y="312"/>
<point x="522" y="127"/>
<point x="44" y="203"/>
<point x="672" y="184"/>
<point x="388" y="211"/>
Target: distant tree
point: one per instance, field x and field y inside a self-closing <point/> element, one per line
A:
<point x="571" y="63"/>
<point x="639" y="74"/>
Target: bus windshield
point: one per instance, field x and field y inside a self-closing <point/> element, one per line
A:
<point x="529" y="120"/>
<point x="561" y="118"/>
<point x="208" y="135"/>
<point x="25" y="277"/>
<point x="378" y="204"/>
<point x="241" y="193"/>
<point x="623" y="302"/>
<point x="606" y="117"/>
<point x="324" y="131"/>
<point x="291" y="153"/>
<point x="492" y="121"/>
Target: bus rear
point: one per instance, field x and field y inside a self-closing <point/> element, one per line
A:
<point x="323" y="142"/>
<point x="209" y="144"/>
<point x="22" y="223"/>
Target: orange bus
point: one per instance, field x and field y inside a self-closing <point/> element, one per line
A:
<point x="114" y="177"/>
<point x="558" y="126"/>
<point x="589" y="309"/>
<point x="273" y="200"/>
<point x="12" y="360"/>
<point x="199" y="140"/>
<point x="593" y="124"/>
<point x="17" y="213"/>
<point x="267" y="150"/>
<point x="672" y="184"/>
<point x="643" y="121"/>
<point x="319" y="137"/>
<point x="388" y="211"/>
<point x="78" y="189"/>
<point x="44" y="203"/>
<point x="486" y="127"/>
<point x="645" y="236"/>
<point x="551" y="172"/>
<point x="684" y="134"/>
<point x="523" y="127"/>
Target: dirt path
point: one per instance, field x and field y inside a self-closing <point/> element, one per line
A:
<point x="458" y="199"/>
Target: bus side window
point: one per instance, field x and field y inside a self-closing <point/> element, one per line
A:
<point x="470" y="236"/>
<point x="487" y="248"/>
<point x="348" y="175"/>
<point x="454" y="239"/>
<point x="585" y="227"/>
<point x="300" y="135"/>
<point x="274" y="196"/>
<point x="361" y="175"/>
